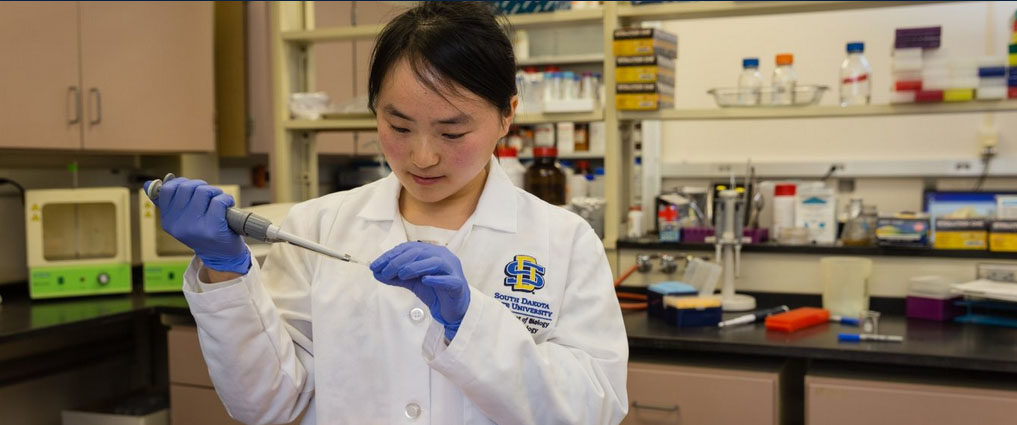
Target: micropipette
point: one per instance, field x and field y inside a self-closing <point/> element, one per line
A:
<point x="254" y="226"/>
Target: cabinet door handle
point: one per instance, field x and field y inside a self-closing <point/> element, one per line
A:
<point x="94" y="92"/>
<point x="636" y="405"/>
<point x="77" y="105"/>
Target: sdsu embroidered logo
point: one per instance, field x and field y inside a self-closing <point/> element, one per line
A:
<point x="523" y="274"/>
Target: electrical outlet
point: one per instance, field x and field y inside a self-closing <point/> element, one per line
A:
<point x="998" y="272"/>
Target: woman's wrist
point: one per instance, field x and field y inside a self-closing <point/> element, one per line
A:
<point x="208" y="275"/>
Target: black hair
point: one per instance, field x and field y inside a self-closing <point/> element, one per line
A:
<point x="449" y="43"/>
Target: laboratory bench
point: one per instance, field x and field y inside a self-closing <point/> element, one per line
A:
<point x="675" y="374"/>
<point x="653" y="244"/>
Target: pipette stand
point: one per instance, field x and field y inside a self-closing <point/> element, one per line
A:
<point x="729" y="249"/>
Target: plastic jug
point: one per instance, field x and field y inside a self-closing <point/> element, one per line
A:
<point x="846" y="285"/>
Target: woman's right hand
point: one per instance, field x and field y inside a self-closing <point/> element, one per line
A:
<point x="194" y="213"/>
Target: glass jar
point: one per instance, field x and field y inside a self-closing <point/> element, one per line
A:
<point x="544" y="178"/>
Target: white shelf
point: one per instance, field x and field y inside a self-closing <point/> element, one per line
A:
<point x="368" y="122"/>
<point x="844" y="169"/>
<point x="714" y="9"/>
<point x="818" y="111"/>
<point x="350" y="123"/>
<point x="579" y="16"/>
<point x="591" y="58"/>
<point x="573" y="155"/>
<point x="352" y="33"/>
<point x="529" y="119"/>
<point x="332" y="34"/>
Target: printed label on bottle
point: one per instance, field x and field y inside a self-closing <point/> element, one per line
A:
<point x="857" y="79"/>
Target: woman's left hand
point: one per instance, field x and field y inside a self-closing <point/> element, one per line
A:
<point x="434" y="274"/>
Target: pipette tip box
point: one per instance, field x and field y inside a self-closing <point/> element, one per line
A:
<point x="929" y="298"/>
<point x="797" y="319"/>
<point x="655" y="295"/>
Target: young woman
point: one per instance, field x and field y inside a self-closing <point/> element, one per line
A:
<point x="523" y="324"/>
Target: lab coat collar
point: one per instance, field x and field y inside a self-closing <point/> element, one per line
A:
<point x="495" y="210"/>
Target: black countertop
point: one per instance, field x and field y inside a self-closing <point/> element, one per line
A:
<point x="21" y="317"/>
<point x="773" y="248"/>
<point x="933" y="344"/>
<point x="926" y="343"/>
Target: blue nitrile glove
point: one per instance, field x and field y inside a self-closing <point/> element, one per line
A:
<point x="195" y="214"/>
<point x="433" y="274"/>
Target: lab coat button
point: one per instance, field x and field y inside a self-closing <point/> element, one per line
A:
<point x="417" y="314"/>
<point x="412" y="410"/>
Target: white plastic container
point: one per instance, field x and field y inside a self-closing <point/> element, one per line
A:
<point x="597" y="183"/>
<point x="578" y="186"/>
<point x="783" y="208"/>
<point x="596" y="135"/>
<point x="845" y="285"/>
<point x="855" y="73"/>
<point x="816" y="210"/>
<point x="566" y="138"/>
<point x="521" y="44"/>
<point x="544" y="135"/>
<point x="635" y="222"/>
<point x="902" y="97"/>
<point x="509" y="161"/>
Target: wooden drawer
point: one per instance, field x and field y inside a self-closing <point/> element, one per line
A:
<point x="670" y="394"/>
<point x="197" y="406"/>
<point x="186" y="364"/>
<point x="835" y="401"/>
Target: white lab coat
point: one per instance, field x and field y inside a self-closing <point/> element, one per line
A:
<point x="305" y="330"/>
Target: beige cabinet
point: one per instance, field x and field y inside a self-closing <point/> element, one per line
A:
<point x="835" y="401"/>
<point x="39" y="87"/>
<point x="107" y="76"/>
<point x="691" y="395"/>
<point x="193" y="400"/>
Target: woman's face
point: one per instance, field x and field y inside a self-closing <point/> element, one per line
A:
<point x="437" y="146"/>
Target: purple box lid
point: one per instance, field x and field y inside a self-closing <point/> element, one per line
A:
<point x="922" y="43"/>
<point x="923" y="31"/>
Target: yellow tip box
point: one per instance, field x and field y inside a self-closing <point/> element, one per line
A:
<point x="644" y="42"/>
<point x="644" y="97"/>
<point x="965" y="233"/>
<point x="1003" y="236"/>
<point x="644" y="69"/>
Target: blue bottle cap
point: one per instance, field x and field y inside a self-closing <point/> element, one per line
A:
<point x="750" y="63"/>
<point x="598" y="171"/>
<point x="992" y="71"/>
<point x="565" y="163"/>
<point x="639" y="160"/>
<point x="856" y="47"/>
